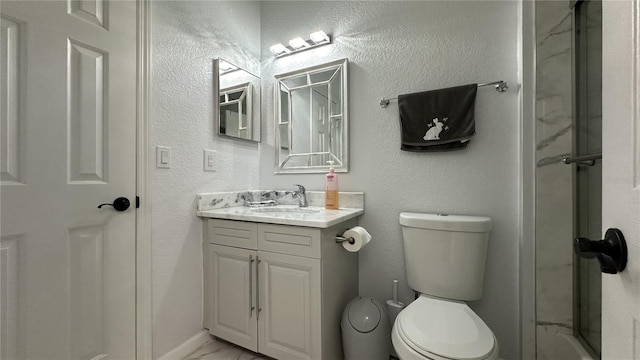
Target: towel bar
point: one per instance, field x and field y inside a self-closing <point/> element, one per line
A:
<point x="500" y="86"/>
<point x="583" y="160"/>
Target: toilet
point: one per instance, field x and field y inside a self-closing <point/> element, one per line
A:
<point x="445" y="259"/>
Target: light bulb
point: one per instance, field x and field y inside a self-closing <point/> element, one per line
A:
<point x="298" y="43"/>
<point x="278" y="49"/>
<point x="319" y="36"/>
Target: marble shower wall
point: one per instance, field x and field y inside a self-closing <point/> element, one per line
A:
<point x="554" y="203"/>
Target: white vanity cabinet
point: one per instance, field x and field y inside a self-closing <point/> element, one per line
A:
<point x="278" y="289"/>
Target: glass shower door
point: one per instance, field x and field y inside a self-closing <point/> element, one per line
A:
<point x="588" y="175"/>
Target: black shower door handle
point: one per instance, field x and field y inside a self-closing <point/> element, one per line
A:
<point x="611" y="252"/>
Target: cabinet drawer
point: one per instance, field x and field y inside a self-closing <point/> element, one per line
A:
<point x="289" y="240"/>
<point x="233" y="233"/>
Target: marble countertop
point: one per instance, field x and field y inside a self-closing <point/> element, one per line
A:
<point x="230" y="205"/>
<point x="319" y="218"/>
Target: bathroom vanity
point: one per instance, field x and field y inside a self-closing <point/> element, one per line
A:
<point x="276" y="281"/>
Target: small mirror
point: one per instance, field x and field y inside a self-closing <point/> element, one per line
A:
<point x="312" y="119"/>
<point x="238" y="102"/>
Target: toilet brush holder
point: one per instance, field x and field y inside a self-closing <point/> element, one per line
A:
<point x="393" y="308"/>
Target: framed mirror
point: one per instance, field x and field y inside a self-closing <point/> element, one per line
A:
<point x="311" y="119"/>
<point x="237" y="100"/>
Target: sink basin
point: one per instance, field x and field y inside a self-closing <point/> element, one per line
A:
<point x="282" y="209"/>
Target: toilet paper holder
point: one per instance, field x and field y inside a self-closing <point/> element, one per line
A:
<point x="340" y="239"/>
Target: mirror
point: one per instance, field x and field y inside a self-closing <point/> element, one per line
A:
<point x="311" y="115"/>
<point x="237" y="99"/>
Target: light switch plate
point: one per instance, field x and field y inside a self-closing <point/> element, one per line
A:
<point x="163" y="157"/>
<point x="209" y="160"/>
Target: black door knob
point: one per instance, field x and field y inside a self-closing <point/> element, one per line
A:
<point x="120" y="204"/>
<point x="610" y="252"/>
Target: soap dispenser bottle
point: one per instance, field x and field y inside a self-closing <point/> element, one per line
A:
<point x="331" y="188"/>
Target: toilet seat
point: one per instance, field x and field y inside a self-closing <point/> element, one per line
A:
<point x="444" y="329"/>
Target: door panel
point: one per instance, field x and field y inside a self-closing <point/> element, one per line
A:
<point x="68" y="144"/>
<point x="86" y="113"/>
<point x="232" y="295"/>
<point x="289" y="323"/>
<point x="621" y="174"/>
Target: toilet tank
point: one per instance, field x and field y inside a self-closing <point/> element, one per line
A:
<point x="445" y="255"/>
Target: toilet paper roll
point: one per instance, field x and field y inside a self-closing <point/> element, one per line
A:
<point x="361" y="238"/>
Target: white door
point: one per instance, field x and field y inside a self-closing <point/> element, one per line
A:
<point x="232" y="295"/>
<point x="289" y="323"/>
<point x="68" y="135"/>
<point x="621" y="174"/>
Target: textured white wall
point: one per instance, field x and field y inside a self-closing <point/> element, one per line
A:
<point x="186" y="37"/>
<point x="400" y="47"/>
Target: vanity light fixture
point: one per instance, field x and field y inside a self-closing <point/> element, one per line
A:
<point x="299" y="44"/>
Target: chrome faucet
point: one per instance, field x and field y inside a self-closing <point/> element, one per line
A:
<point x="301" y="194"/>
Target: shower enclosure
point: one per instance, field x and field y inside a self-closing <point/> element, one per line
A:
<point x="568" y="177"/>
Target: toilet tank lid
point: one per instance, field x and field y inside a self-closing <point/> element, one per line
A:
<point x="446" y="222"/>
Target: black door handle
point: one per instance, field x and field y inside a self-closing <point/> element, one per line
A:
<point x="120" y="204"/>
<point x="610" y="252"/>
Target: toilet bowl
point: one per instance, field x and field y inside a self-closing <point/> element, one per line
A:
<point x="437" y="329"/>
<point x="445" y="260"/>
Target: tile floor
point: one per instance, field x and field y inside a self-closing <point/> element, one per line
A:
<point x="222" y="350"/>
<point x="218" y="349"/>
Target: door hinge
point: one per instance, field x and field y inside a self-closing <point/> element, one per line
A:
<point x="137" y="202"/>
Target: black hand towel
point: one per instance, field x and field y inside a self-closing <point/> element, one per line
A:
<point x="438" y="120"/>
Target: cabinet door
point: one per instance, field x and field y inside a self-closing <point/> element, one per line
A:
<point x="232" y="295"/>
<point x="289" y="323"/>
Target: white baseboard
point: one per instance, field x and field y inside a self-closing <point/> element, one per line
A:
<point x="192" y="344"/>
